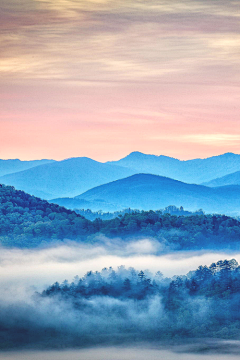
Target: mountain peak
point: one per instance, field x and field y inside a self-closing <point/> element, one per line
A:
<point x="229" y="154"/>
<point x="136" y="154"/>
<point x="83" y="158"/>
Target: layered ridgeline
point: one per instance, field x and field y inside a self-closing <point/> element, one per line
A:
<point x="64" y="178"/>
<point x="15" y="165"/>
<point x="126" y="306"/>
<point x="71" y="177"/>
<point x="27" y="221"/>
<point x="231" y="179"/>
<point x="152" y="192"/>
<point x="191" y="171"/>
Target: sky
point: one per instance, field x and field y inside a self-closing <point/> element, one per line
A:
<point x="102" y="78"/>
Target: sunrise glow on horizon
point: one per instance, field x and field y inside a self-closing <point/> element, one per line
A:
<point x="103" y="78"/>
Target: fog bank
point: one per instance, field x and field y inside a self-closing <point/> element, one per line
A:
<point x="55" y="322"/>
<point x="201" y="351"/>
<point x="23" y="268"/>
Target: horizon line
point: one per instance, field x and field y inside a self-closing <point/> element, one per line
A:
<point x="132" y="152"/>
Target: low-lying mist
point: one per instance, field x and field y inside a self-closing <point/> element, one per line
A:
<point x="224" y="350"/>
<point x="30" y="321"/>
<point x="22" y="269"/>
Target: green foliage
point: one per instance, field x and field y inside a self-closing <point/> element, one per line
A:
<point x="204" y="303"/>
<point x="27" y="221"/>
<point x="172" y="210"/>
<point x="191" y="232"/>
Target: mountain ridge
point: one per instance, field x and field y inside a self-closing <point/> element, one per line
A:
<point x="27" y="222"/>
<point x="73" y="176"/>
<point x="152" y="192"/>
<point x="10" y="166"/>
<point x="229" y="179"/>
<point x="64" y="178"/>
<point x="190" y="171"/>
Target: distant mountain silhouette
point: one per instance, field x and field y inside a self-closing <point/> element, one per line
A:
<point x="65" y="178"/>
<point x="231" y="179"/>
<point x="68" y="178"/>
<point x="14" y="165"/>
<point x="145" y="191"/>
<point x="95" y="205"/>
<point x="190" y="171"/>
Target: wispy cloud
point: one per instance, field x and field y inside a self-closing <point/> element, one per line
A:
<point x="79" y="62"/>
<point x="207" y="139"/>
<point x="214" y="139"/>
<point x="117" y="41"/>
<point x="21" y="269"/>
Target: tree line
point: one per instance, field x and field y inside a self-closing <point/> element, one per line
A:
<point x="27" y="221"/>
<point x="203" y="303"/>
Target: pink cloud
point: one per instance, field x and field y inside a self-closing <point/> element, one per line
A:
<point x="103" y="79"/>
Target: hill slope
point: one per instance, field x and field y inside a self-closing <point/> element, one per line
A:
<point x="14" y="165"/>
<point x="65" y="178"/>
<point x="144" y="191"/>
<point x="27" y="221"/>
<point x="190" y="171"/>
<point x="231" y="179"/>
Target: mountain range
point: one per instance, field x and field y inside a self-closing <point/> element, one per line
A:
<point x="230" y="179"/>
<point x="27" y="221"/>
<point x="152" y="192"/>
<point x="49" y="179"/>
<point x="194" y="171"/>
<point x="14" y="165"/>
<point x="69" y="177"/>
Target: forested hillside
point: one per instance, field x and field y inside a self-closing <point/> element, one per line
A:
<point x="172" y="210"/>
<point x="124" y="306"/>
<point x="204" y="303"/>
<point x="27" y="221"/>
<point x="219" y="280"/>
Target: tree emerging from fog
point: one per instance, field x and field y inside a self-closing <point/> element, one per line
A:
<point x="205" y="302"/>
<point x="127" y="306"/>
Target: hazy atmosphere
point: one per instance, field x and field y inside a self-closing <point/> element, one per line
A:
<point x="20" y="269"/>
<point x="119" y="179"/>
<point x="100" y="320"/>
<point x="118" y="353"/>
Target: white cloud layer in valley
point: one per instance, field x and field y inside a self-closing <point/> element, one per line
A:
<point x="29" y="270"/>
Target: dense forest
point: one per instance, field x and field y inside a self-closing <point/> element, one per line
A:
<point x="127" y="306"/>
<point x="27" y="221"/>
<point x="172" y="210"/>
<point x="219" y="280"/>
<point x="204" y="303"/>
